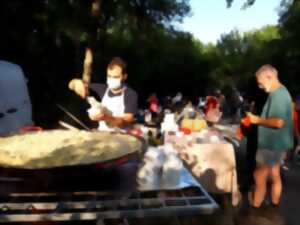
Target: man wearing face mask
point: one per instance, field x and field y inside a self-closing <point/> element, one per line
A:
<point x="118" y="98"/>
<point x="275" y="135"/>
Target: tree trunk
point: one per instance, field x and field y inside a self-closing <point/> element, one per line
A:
<point x="88" y="59"/>
<point x="87" y="65"/>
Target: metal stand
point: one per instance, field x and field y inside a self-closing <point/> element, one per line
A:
<point x="97" y="206"/>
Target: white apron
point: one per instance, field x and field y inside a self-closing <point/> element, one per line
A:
<point x="115" y="105"/>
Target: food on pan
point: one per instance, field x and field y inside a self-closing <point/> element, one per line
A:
<point x="48" y="149"/>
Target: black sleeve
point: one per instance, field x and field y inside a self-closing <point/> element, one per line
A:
<point x="131" y="101"/>
<point x="97" y="90"/>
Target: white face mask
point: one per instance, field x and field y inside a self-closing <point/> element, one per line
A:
<point x="113" y="83"/>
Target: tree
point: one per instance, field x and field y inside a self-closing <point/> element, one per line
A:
<point x="290" y="32"/>
<point x="248" y="3"/>
<point x="240" y="54"/>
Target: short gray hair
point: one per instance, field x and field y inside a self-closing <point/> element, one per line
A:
<point x="267" y="68"/>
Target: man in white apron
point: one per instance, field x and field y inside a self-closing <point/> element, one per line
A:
<point x="119" y="99"/>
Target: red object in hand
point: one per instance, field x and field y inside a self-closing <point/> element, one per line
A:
<point x="242" y="130"/>
<point x="246" y="121"/>
<point x="296" y="119"/>
<point x="185" y="130"/>
<point x="239" y="134"/>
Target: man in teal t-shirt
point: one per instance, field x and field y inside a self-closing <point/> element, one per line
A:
<point x="275" y="135"/>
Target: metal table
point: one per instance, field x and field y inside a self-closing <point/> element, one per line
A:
<point x="97" y="205"/>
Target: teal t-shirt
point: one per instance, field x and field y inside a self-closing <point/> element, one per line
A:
<point x="278" y="105"/>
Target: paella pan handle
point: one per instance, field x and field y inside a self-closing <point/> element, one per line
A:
<point x="30" y="129"/>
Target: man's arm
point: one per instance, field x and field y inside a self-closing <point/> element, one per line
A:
<point x="269" y="122"/>
<point x="128" y="117"/>
<point x="123" y="121"/>
<point x="79" y="87"/>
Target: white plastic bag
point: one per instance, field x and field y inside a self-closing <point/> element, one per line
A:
<point x="149" y="175"/>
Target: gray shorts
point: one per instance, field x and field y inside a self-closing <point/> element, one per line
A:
<point x="269" y="157"/>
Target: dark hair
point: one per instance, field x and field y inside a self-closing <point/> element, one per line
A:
<point x="117" y="61"/>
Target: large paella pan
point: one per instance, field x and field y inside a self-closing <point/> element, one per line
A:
<point x="64" y="148"/>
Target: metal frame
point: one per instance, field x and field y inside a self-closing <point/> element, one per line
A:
<point x="32" y="207"/>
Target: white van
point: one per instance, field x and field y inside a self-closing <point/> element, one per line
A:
<point x="15" y="105"/>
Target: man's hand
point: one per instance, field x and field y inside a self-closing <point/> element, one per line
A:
<point x="276" y="123"/>
<point x="79" y="87"/>
<point x="98" y="117"/>
<point x="253" y="118"/>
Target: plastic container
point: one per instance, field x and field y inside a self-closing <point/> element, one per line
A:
<point x="149" y="176"/>
<point x="93" y="111"/>
<point x="171" y="172"/>
<point x="154" y="156"/>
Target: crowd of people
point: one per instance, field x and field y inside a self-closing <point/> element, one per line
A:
<point x="213" y="107"/>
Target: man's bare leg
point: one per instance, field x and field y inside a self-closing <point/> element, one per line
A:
<point x="276" y="184"/>
<point x="260" y="176"/>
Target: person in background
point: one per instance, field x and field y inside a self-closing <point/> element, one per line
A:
<point x="177" y="98"/>
<point x="236" y="102"/>
<point x="140" y="116"/>
<point x="201" y="103"/>
<point x="167" y="103"/>
<point x="212" y="109"/>
<point x="296" y="153"/>
<point x="254" y="102"/>
<point x="153" y="105"/>
<point x="222" y="102"/>
<point x="296" y="124"/>
<point x="290" y="154"/>
<point x="275" y="135"/>
<point x="211" y="103"/>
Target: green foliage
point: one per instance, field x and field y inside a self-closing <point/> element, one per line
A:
<point x="48" y="37"/>
<point x="239" y="55"/>
<point x="290" y="45"/>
